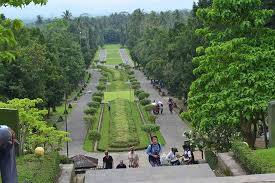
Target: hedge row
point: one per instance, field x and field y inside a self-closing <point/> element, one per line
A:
<point x="254" y="161"/>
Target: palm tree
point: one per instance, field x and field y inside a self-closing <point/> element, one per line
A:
<point x="67" y="15"/>
<point x="39" y="20"/>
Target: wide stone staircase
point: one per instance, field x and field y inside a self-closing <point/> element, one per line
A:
<point x="150" y="175"/>
<point x="200" y="173"/>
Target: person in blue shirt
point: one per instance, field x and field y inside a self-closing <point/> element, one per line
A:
<point x="7" y="155"/>
<point x="153" y="151"/>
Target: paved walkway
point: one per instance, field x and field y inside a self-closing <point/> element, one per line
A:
<point x="171" y="125"/>
<point x="76" y="125"/>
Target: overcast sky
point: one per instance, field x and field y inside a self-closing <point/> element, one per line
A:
<point x="94" y="7"/>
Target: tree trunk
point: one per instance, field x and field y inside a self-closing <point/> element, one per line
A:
<point x="247" y="133"/>
<point x="54" y="108"/>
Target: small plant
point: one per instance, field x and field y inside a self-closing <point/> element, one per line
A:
<point x="97" y="98"/>
<point x="90" y="111"/>
<point x="145" y="102"/>
<point x="137" y="92"/>
<point x="149" y="107"/>
<point x="150" y="128"/>
<point x="101" y="87"/>
<point x="100" y="94"/>
<point x="143" y="95"/>
<point x="94" y="104"/>
<point x="94" y="135"/>
<point x="152" y="118"/>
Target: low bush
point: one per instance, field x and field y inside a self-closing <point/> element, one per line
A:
<point x="101" y="87"/>
<point x="136" y="87"/>
<point x="90" y="111"/>
<point x="103" y="79"/>
<point x="132" y="79"/>
<point x="100" y="94"/>
<point x="152" y="118"/>
<point x="150" y="128"/>
<point x="94" y="104"/>
<point x="137" y="92"/>
<point x="97" y="98"/>
<point x="131" y="72"/>
<point x="211" y="159"/>
<point x="90" y="119"/>
<point x="94" y="135"/>
<point x="145" y="102"/>
<point x="149" y="107"/>
<point x="254" y="161"/>
<point x="41" y="170"/>
<point x="143" y="95"/>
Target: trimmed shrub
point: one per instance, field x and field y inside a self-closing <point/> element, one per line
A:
<point x="143" y="95"/>
<point x="211" y="159"/>
<point x="149" y="107"/>
<point x="97" y="98"/>
<point x="145" y="102"/>
<point x="133" y="79"/>
<point x="137" y="92"/>
<point x="90" y="111"/>
<point x="252" y="161"/>
<point x="101" y="87"/>
<point x="103" y="79"/>
<point x="94" y="135"/>
<point x="94" y="104"/>
<point x="150" y="128"/>
<point x="152" y="118"/>
<point x="131" y="72"/>
<point x="136" y="87"/>
<point x="100" y="94"/>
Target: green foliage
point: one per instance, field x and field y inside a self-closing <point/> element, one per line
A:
<point x="149" y="107"/>
<point x="143" y="95"/>
<point x="100" y="94"/>
<point x="41" y="170"/>
<point x="97" y="99"/>
<point x="90" y="111"/>
<point x="94" y="104"/>
<point x="211" y="159"/>
<point x="145" y="102"/>
<point x="254" y="162"/>
<point x="233" y="68"/>
<point x="94" y="135"/>
<point x="150" y="128"/>
<point x="152" y="118"/>
<point x="123" y="124"/>
<point x="101" y="87"/>
<point x="137" y="92"/>
<point x="32" y="118"/>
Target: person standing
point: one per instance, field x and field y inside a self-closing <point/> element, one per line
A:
<point x="171" y="105"/>
<point x="161" y="108"/>
<point x="108" y="161"/>
<point x="7" y="155"/>
<point x="153" y="151"/>
<point x="133" y="158"/>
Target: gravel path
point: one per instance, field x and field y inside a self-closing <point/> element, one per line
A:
<point x="125" y="57"/>
<point x="102" y="55"/>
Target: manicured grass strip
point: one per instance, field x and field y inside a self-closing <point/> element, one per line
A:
<point x="113" y="56"/>
<point x="104" y="131"/>
<point x="128" y="95"/>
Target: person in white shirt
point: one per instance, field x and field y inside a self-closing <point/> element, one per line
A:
<point x="188" y="155"/>
<point x="172" y="157"/>
<point x="133" y="158"/>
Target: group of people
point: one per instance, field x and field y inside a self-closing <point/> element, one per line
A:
<point x="108" y="162"/>
<point x="172" y="158"/>
<point x="153" y="151"/>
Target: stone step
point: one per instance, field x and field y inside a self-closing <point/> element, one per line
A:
<point x="156" y="174"/>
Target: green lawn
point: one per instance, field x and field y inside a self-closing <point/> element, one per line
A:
<point x="109" y="96"/>
<point x="113" y="56"/>
<point x="105" y="141"/>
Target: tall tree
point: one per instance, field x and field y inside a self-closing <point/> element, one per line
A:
<point x="67" y="15"/>
<point x="236" y="71"/>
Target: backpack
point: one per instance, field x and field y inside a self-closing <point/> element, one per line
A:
<point x="152" y="147"/>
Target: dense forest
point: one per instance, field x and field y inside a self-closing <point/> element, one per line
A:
<point x="181" y="48"/>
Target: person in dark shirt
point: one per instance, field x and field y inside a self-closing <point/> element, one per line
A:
<point x="107" y="161"/>
<point x="7" y="155"/>
<point x="121" y="165"/>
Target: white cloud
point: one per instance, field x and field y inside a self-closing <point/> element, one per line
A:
<point x="95" y="7"/>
